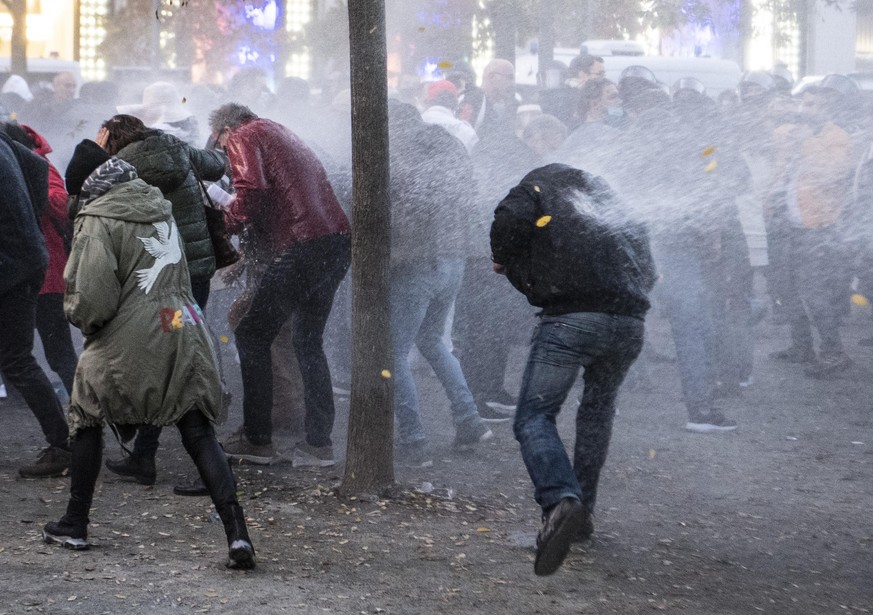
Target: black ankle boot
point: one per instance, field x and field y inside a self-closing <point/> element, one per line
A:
<point x="140" y="469"/>
<point x="69" y="532"/>
<point x="241" y="553"/>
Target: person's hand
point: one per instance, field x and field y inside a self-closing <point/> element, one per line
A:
<point x="102" y="138"/>
<point x="231" y="275"/>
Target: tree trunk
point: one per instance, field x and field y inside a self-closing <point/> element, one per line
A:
<point x="155" y="39"/>
<point x="504" y="15"/>
<point x="546" y="53"/>
<point x="18" y="51"/>
<point x="369" y="464"/>
<point x="282" y="53"/>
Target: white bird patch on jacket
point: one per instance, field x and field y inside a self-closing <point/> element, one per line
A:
<point x="165" y="249"/>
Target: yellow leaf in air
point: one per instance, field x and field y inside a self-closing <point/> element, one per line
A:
<point x="223" y="339"/>
<point x="444" y="65"/>
<point x="386" y="373"/>
<point x="860" y="300"/>
<point x="712" y="166"/>
<point x="543" y="221"/>
<point x="709" y="151"/>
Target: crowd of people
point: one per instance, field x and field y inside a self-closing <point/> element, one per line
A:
<point x="659" y="191"/>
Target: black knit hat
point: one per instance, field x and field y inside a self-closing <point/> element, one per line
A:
<point x="86" y="157"/>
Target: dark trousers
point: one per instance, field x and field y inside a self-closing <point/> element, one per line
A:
<point x="148" y="436"/>
<point x="728" y="280"/>
<point x="489" y="314"/>
<point x="57" y="343"/>
<point x="300" y="284"/>
<point x="809" y="277"/>
<point x="198" y="438"/>
<point x="18" y="365"/>
<point x="605" y="345"/>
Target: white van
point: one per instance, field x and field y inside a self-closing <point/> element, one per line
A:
<point x="717" y="75"/>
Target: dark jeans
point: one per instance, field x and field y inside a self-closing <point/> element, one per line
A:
<point x="605" y="345"/>
<point x="57" y="343"/>
<point x="300" y="284"/>
<point x="809" y="276"/>
<point x="198" y="438"/>
<point x="728" y="280"/>
<point x="148" y="436"/>
<point x="683" y="289"/>
<point x="18" y="365"/>
<point x="489" y="314"/>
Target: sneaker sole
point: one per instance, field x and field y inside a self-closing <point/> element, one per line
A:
<point x="67" y="542"/>
<point x="496" y="405"/>
<point x="708" y="427"/>
<point x="255" y="459"/>
<point x="297" y="462"/>
<point x="500" y="419"/>
<point x="550" y="556"/>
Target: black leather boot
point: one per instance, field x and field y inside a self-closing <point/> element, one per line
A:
<point x="140" y="469"/>
<point x="241" y="553"/>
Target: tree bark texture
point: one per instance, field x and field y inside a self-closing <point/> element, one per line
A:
<point x="504" y="16"/>
<point x="370" y="465"/>
<point x="18" y="47"/>
<point x="546" y="53"/>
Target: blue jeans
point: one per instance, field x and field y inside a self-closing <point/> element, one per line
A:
<point x="690" y="314"/>
<point x="421" y="298"/>
<point x="606" y="345"/>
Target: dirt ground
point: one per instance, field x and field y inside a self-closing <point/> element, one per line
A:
<point x="773" y="518"/>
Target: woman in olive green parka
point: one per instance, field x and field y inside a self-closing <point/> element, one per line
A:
<point x="129" y="294"/>
<point x="148" y="358"/>
<point x="173" y="166"/>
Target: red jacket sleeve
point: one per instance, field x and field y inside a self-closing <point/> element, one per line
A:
<point x="249" y="180"/>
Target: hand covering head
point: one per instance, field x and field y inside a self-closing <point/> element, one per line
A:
<point x="86" y="158"/>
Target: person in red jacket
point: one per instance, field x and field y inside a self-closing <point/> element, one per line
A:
<point x="52" y="325"/>
<point x="285" y="204"/>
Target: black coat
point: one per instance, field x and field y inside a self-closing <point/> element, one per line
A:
<point x="567" y="245"/>
<point x="168" y="163"/>
<point x="23" y="253"/>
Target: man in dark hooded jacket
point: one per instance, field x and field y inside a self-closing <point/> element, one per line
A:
<point x="562" y="239"/>
<point x="23" y="260"/>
